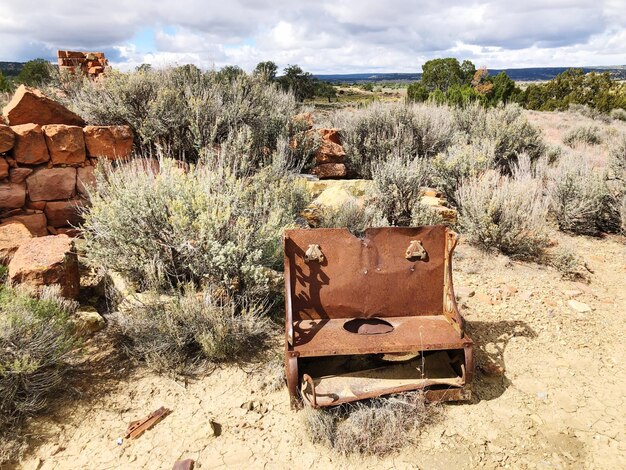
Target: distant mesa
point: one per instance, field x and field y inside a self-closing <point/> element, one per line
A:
<point x="92" y="64"/>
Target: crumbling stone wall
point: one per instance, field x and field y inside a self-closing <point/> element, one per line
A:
<point x="45" y="165"/>
<point x="91" y="64"/>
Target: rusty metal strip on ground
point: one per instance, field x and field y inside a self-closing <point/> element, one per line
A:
<point x="137" y="428"/>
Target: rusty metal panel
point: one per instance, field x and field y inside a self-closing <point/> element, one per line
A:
<point x="368" y="277"/>
<point x="387" y="296"/>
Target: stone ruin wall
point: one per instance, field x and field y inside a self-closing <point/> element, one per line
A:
<point x="47" y="158"/>
<point x="92" y="64"/>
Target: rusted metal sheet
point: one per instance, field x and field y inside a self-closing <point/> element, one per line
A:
<point x="387" y="293"/>
<point x="137" y="428"/>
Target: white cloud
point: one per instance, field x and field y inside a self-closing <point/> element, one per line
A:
<point x="322" y="36"/>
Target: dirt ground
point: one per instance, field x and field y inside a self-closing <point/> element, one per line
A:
<point x="559" y="404"/>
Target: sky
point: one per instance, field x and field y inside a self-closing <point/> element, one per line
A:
<point x="322" y="36"/>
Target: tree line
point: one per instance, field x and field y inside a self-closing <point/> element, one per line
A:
<point x="448" y="81"/>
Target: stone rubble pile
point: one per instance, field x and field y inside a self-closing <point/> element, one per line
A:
<point x="92" y="64"/>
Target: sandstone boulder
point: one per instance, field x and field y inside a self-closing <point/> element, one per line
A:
<point x="64" y="213"/>
<point x="19" y="175"/>
<point x="85" y="178"/>
<point x="29" y="105"/>
<point x="12" y="196"/>
<point x="7" y="138"/>
<point x="87" y="321"/>
<point x="112" y="142"/>
<point x="331" y="150"/>
<point x="4" y="168"/>
<point x="45" y="261"/>
<point x="330" y="170"/>
<point x="30" y="144"/>
<point x="49" y="184"/>
<point x="66" y="144"/>
<point x="36" y="223"/>
<point x="12" y="235"/>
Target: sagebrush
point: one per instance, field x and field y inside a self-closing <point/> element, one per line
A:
<point x="36" y="343"/>
<point x="206" y="224"/>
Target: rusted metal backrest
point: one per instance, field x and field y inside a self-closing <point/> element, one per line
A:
<point x="372" y="276"/>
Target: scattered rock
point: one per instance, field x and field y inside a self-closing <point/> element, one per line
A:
<point x="330" y="170"/>
<point x="579" y="307"/>
<point x="30" y="145"/>
<point x="49" y="184"/>
<point x="12" y="235"/>
<point x="12" y="195"/>
<point x="45" y="261"/>
<point x="462" y="292"/>
<point x="111" y="142"/>
<point x="64" y="213"/>
<point x="88" y="321"/>
<point x="29" y="105"/>
<point x="508" y="291"/>
<point x="66" y="144"/>
<point x="7" y="138"/>
<point x="483" y="298"/>
<point x="35" y="223"/>
<point x="526" y="295"/>
<point x="492" y="369"/>
<point x="572" y="293"/>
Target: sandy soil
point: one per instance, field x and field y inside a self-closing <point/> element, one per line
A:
<point x="559" y="404"/>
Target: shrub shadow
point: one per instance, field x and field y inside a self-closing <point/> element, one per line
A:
<point x="490" y="342"/>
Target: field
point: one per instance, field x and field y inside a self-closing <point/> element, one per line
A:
<point x="181" y="255"/>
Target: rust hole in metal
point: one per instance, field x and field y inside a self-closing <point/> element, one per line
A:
<point x="368" y="326"/>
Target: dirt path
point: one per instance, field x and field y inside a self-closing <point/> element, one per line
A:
<point x="559" y="404"/>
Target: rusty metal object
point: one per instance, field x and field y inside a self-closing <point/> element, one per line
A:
<point x="186" y="464"/>
<point x="137" y="428"/>
<point x="373" y="317"/>
<point x="415" y="250"/>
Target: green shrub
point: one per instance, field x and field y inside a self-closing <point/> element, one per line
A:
<point x="589" y="135"/>
<point x="397" y="187"/>
<point x="376" y="427"/>
<point x="35" y="344"/>
<point x="173" y="335"/>
<point x="206" y="225"/>
<point x="353" y="216"/>
<point x="378" y="131"/>
<point x="571" y="266"/>
<point x="507" y="214"/>
<point x="618" y="114"/>
<point x="184" y="111"/>
<point x="506" y="128"/>
<point x="460" y="162"/>
<point x="577" y="194"/>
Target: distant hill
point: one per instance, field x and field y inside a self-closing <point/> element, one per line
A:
<point x="11" y="69"/>
<point x="521" y="75"/>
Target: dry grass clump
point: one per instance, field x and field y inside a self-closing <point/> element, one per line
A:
<point x="176" y="334"/>
<point x="36" y="342"/>
<point x="208" y="225"/>
<point x="571" y="266"/>
<point x="590" y="135"/>
<point x="375" y="427"/>
<point x="505" y="213"/>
